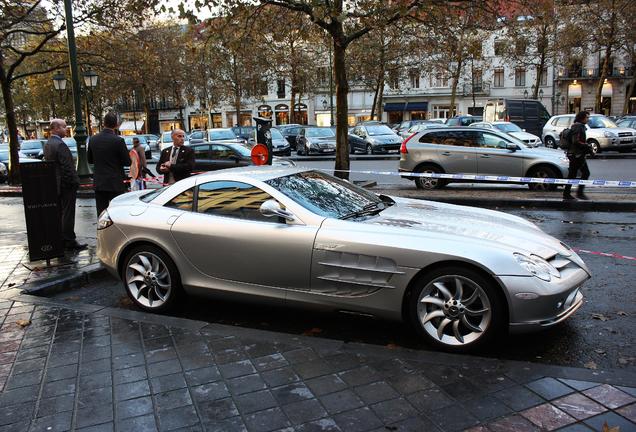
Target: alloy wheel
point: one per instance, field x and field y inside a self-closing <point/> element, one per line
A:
<point x="148" y="279"/>
<point x="454" y="310"/>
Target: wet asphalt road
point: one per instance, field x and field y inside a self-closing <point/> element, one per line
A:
<point x="600" y="335"/>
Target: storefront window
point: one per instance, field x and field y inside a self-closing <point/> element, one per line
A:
<point x="217" y="120"/>
<point x="198" y="122"/>
<point x="395" y="116"/>
<point x="246" y="119"/>
<point x="418" y="115"/>
<point x="282" y="114"/>
<point x="265" y="111"/>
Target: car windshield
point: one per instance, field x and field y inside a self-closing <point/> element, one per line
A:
<point x="276" y="134"/>
<point x="319" y="132"/>
<point x="324" y="194"/>
<point x="225" y="134"/>
<point x="31" y="145"/>
<point x="166" y="137"/>
<point x="597" y="122"/>
<point x="379" y="130"/>
<point x="508" y="127"/>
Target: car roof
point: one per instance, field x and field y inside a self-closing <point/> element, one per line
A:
<point x="260" y="173"/>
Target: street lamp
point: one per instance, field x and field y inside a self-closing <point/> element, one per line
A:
<point x="525" y="94"/>
<point x="59" y="82"/>
<point x="90" y="79"/>
<point x="540" y="94"/>
<point x="90" y="82"/>
<point x="324" y="104"/>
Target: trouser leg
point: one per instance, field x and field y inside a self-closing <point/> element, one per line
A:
<point x="102" y="199"/>
<point x="585" y="174"/>
<point x="67" y="204"/>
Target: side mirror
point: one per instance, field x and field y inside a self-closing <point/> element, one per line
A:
<point x="271" y="208"/>
<point x="511" y="147"/>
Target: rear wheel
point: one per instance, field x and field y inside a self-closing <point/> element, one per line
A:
<point x="550" y="142"/>
<point x="429" y="182"/>
<point x="542" y="172"/>
<point x="151" y="279"/>
<point x="457" y="309"/>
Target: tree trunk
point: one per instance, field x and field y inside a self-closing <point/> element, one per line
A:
<point x="537" y="83"/>
<point x="342" y="106"/>
<point x="601" y="79"/>
<point x="629" y="90"/>
<point x="12" y="125"/>
<point x="375" y="99"/>
<point x="292" y="101"/>
<point x="380" y="99"/>
<point x="455" y="79"/>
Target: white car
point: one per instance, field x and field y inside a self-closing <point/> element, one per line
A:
<point x="511" y="129"/>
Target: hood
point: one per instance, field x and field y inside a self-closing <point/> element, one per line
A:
<point x="276" y="143"/>
<point x="523" y="136"/>
<point x="386" y="139"/>
<point x="546" y="152"/>
<point x="434" y="220"/>
<point x="322" y="140"/>
<point x="615" y="131"/>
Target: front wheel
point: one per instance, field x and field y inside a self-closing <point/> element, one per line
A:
<point x="151" y="279"/>
<point x="456" y="309"/>
<point x="596" y="148"/>
<point x="550" y="142"/>
<point x="542" y="172"/>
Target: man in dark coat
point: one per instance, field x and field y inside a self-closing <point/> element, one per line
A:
<point x="56" y="150"/>
<point x="176" y="162"/>
<point x="108" y="152"/>
<point x="577" y="149"/>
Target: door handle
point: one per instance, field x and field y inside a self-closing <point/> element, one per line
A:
<point x="485" y="156"/>
<point x="446" y="153"/>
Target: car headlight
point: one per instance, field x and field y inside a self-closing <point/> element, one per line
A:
<point x="537" y="266"/>
<point x="608" y="134"/>
<point x="564" y="160"/>
<point x="104" y="220"/>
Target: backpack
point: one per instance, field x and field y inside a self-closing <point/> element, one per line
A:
<point x="564" y="139"/>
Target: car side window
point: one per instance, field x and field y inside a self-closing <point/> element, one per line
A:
<point x="202" y="152"/>
<point x="466" y="138"/>
<point x="555" y="121"/>
<point x="493" y="141"/>
<point x="563" y="121"/>
<point x="183" y="201"/>
<point x="221" y="152"/>
<point x="233" y="199"/>
<point x="434" y="138"/>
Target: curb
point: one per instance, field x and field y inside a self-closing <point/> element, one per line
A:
<point x="77" y="279"/>
<point x="620" y="377"/>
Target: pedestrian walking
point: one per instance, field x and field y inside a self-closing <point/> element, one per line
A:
<point x="138" y="166"/>
<point x="176" y="162"/>
<point x="56" y="151"/>
<point x="576" y="151"/>
<point x="108" y="153"/>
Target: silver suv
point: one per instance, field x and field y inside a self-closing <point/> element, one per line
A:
<point x="602" y="133"/>
<point x="477" y="151"/>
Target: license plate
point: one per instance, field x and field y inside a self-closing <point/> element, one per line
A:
<point x="628" y="141"/>
<point x="393" y="151"/>
<point x="326" y="150"/>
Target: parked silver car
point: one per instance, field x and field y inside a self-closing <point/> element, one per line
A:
<point x="477" y="151"/>
<point x="511" y="129"/>
<point x="459" y="275"/>
<point x="378" y="138"/>
<point x="602" y="133"/>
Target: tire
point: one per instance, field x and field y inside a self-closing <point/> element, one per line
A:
<point x="148" y="264"/>
<point x="352" y="150"/>
<point x="429" y="182"/>
<point x="550" y="142"/>
<point x="596" y="147"/>
<point x="435" y="306"/>
<point x="369" y="149"/>
<point x="298" y="150"/>
<point x="543" y="172"/>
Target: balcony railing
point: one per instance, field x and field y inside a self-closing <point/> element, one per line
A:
<point x="592" y="73"/>
<point x="482" y="89"/>
<point x="138" y="106"/>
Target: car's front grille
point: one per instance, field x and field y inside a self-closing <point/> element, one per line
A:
<point x="325" y="146"/>
<point x="624" y="134"/>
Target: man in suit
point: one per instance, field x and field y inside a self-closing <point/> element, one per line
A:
<point x="176" y="162"/>
<point x="108" y="152"/>
<point x="56" y="151"/>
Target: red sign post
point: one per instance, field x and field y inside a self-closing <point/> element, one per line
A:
<point x="260" y="154"/>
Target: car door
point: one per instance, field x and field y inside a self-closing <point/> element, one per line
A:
<point x="227" y="238"/>
<point x="494" y="158"/>
<point x="222" y="156"/>
<point x="456" y="150"/>
<point x="202" y="160"/>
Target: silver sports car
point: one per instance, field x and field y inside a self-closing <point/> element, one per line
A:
<point x="302" y="237"/>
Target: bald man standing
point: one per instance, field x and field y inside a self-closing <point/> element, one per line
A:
<point x="176" y="162"/>
<point x="56" y="151"/>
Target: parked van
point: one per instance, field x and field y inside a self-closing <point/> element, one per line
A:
<point x="528" y="114"/>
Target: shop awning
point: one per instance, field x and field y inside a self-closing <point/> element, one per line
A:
<point x="394" y="106"/>
<point x="130" y="126"/>
<point x="417" y="106"/>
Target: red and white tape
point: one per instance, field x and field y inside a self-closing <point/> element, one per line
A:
<point x="605" y="254"/>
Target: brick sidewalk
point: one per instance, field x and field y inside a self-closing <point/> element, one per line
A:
<point x="84" y="367"/>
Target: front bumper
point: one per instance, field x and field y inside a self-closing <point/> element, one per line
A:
<point x="616" y="142"/>
<point x="109" y="242"/>
<point x="535" y="304"/>
<point x="386" y="148"/>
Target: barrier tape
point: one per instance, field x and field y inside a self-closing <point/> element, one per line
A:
<point x="605" y="254"/>
<point x="502" y="179"/>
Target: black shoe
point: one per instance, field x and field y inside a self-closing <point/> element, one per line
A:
<point x="568" y="197"/>
<point x="74" y="245"/>
<point x="582" y="196"/>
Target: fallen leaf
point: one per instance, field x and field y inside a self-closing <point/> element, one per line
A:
<point x="607" y="428"/>
<point x="23" y="323"/>
<point x="11" y="284"/>
<point x="599" y="317"/>
<point x="392" y="346"/>
<point x="73" y="298"/>
<point x="312" y="332"/>
<point x="590" y="365"/>
<point x="125" y="301"/>
<point x="621" y="313"/>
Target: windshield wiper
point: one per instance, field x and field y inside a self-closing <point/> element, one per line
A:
<point x="371" y="208"/>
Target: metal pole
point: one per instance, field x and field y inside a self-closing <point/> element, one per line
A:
<point x="330" y="85"/>
<point x="83" y="169"/>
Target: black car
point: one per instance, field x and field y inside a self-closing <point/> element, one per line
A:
<point x="290" y="132"/>
<point x="315" y="140"/>
<point x="375" y="138"/>
<point x="216" y="156"/>
<point x="465" y="120"/>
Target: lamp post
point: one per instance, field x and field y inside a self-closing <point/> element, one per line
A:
<point x="83" y="170"/>
<point x="540" y="94"/>
<point x="90" y="82"/>
<point x="525" y="94"/>
<point x="556" y="98"/>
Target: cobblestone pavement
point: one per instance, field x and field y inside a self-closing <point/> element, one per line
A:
<point x="85" y="367"/>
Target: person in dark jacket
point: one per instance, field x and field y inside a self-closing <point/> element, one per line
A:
<point x="108" y="152"/>
<point x="56" y="151"/>
<point x="176" y="162"/>
<point x="576" y="152"/>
